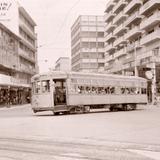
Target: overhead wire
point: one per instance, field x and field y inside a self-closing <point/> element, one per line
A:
<point x="62" y="26"/>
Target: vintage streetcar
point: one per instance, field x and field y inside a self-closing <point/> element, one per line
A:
<point x="75" y="92"/>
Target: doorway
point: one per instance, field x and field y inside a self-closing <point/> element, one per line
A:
<point x="59" y="92"/>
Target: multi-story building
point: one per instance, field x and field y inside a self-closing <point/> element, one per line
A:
<point x="21" y="23"/>
<point x="87" y="44"/>
<point x="132" y="39"/>
<point x="18" y="55"/>
<point x="63" y="64"/>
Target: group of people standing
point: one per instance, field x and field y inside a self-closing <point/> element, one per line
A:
<point x="14" y="96"/>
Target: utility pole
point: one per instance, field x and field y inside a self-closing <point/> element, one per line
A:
<point x="135" y="61"/>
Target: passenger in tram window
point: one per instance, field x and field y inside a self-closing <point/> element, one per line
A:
<point x="107" y="90"/>
<point x="123" y="90"/>
<point x="88" y="89"/>
<point x="103" y="90"/>
<point x="127" y="90"/>
<point x="112" y="90"/>
<point x="132" y="90"/>
<point x="82" y="89"/>
<point x="99" y="90"/>
<point x="93" y="90"/>
<point x="78" y="89"/>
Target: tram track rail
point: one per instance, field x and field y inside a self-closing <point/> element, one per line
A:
<point x="64" y="149"/>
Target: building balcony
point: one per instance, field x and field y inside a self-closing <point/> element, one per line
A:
<point x="110" y="58"/>
<point x="109" y="47"/>
<point x="27" y="69"/>
<point x="150" y="21"/>
<point x="28" y="30"/>
<point x="120" y="53"/>
<point x="77" y="42"/>
<point x="148" y="6"/>
<point x="110" y="5"/>
<point x="132" y="5"/>
<point x="129" y="60"/>
<point x="134" y="32"/>
<point x="109" y="27"/>
<point x="99" y="39"/>
<point x="26" y="55"/>
<point x="131" y="47"/>
<point x="149" y="57"/>
<point x="100" y="50"/>
<point x="109" y="16"/>
<point x="133" y="18"/>
<point x="119" y="41"/>
<point x="119" y="17"/>
<point x="28" y="44"/>
<point x="121" y="28"/>
<point x="150" y="37"/>
<point x="92" y="50"/>
<point x="110" y="37"/>
<point x="119" y="6"/>
<point x="109" y="66"/>
<point x="143" y="56"/>
<point x="116" y="68"/>
<point x="100" y="60"/>
<point x="86" y="39"/>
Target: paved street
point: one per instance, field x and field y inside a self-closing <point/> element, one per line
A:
<point x="132" y="135"/>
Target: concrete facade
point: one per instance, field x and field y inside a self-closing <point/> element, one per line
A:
<point x="87" y="44"/>
<point x="132" y="39"/>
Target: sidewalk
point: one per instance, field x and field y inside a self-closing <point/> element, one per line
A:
<point x="14" y="106"/>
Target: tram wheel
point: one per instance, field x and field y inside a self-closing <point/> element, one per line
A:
<point x="34" y="111"/>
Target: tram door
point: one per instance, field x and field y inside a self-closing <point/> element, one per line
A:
<point x="59" y="92"/>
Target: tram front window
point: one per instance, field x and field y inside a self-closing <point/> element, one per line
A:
<point x="60" y="92"/>
<point x="45" y="86"/>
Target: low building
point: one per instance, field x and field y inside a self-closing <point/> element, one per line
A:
<point x="63" y="64"/>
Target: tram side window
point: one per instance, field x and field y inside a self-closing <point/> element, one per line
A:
<point x="107" y="90"/>
<point x="117" y="90"/>
<point x="143" y="90"/>
<point x="81" y="89"/>
<point x="37" y="87"/>
<point x="112" y="90"/>
<point x="101" y="90"/>
<point x="123" y="90"/>
<point x="45" y="86"/>
<point x="94" y="90"/>
<point x="88" y="89"/>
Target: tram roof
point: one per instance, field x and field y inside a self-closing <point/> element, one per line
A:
<point x="64" y="74"/>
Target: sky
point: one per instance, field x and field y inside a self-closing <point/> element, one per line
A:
<point x="54" y="19"/>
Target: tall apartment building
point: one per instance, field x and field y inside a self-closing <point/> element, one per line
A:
<point x="18" y="52"/>
<point x="87" y="44"/>
<point x="63" y="64"/>
<point x="132" y="39"/>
